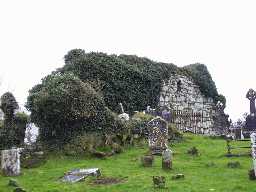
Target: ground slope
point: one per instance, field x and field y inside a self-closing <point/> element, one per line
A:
<point x="198" y="176"/>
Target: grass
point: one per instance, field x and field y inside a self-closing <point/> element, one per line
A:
<point x="206" y="172"/>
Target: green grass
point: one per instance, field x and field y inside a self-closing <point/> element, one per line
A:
<point x="198" y="176"/>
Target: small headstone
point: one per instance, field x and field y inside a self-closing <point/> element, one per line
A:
<point x="166" y="114"/>
<point x="157" y="135"/>
<point x="251" y="174"/>
<point x="147" y="160"/>
<point x="76" y="175"/>
<point x="167" y="159"/>
<point x="10" y="163"/>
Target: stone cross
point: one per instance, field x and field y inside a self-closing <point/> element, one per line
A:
<point x="158" y="135"/>
<point x="251" y="95"/>
<point x="123" y="116"/>
<point x="122" y="108"/>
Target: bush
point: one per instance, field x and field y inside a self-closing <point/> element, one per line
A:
<point x="91" y="144"/>
<point x="13" y="127"/>
<point x="203" y="79"/>
<point x="233" y="164"/>
<point x="193" y="151"/>
<point x="21" y="120"/>
<point x="63" y="107"/>
<point x="173" y="133"/>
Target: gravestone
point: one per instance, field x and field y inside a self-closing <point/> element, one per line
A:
<point x="253" y="145"/>
<point x="167" y="159"/>
<point x="250" y="123"/>
<point x="10" y="162"/>
<point x="166" y="114"/>
<point x="76" y="175"/>
<point x="157" y="135"/>
<point x="147" y="160"/>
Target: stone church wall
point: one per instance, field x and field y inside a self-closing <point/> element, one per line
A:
<point x="190" y="109"/>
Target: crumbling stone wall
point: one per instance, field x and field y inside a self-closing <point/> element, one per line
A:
<point x="190" y="109"/>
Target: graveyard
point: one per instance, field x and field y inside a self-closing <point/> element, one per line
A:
<point x="206" y="172"/>
<point x="125" y="123"/>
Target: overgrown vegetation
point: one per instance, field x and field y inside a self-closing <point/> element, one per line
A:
<point x="134" y="81"/>
<point x="13" y="127"/>
<point x="131" y="80"/>
<point x="203" y="79"/>
<point x="63" y="107"/>
<point x="81" y="97"/>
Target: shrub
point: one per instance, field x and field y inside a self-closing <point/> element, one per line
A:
<point x="13" y="127"/>
<point x="203" y="79"/>
<point x="21" y="120"/>
<point x="193" y="151"/>
<point x="63" y="106"/>
<point x="91" y="144"/>
<point x="173" y="133"/>
<point x="233" y="164"/>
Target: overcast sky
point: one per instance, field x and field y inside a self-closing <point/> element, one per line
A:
<point x="35" y="35"/>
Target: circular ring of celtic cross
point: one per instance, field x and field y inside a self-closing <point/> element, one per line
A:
<point x="251" y="94"/>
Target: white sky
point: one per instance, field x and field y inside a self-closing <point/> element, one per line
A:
<point x="35" y="35"/>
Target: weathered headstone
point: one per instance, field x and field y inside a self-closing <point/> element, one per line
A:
<point x="167" y="159"/>
<point x="147" y="160"/>
<point x="157" y="135"/>
<point x="166" y="114"/>
<point x="76" y="175"/>
<point x="10" y="163"/>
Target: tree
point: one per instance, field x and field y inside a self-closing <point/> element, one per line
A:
<point x="14" y="126"/>
<point x="63" y="107"/>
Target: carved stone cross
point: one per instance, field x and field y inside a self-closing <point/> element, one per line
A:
<point x="251" y="95"/>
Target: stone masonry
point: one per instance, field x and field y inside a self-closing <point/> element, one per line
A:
<point x="191" y="110"/>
